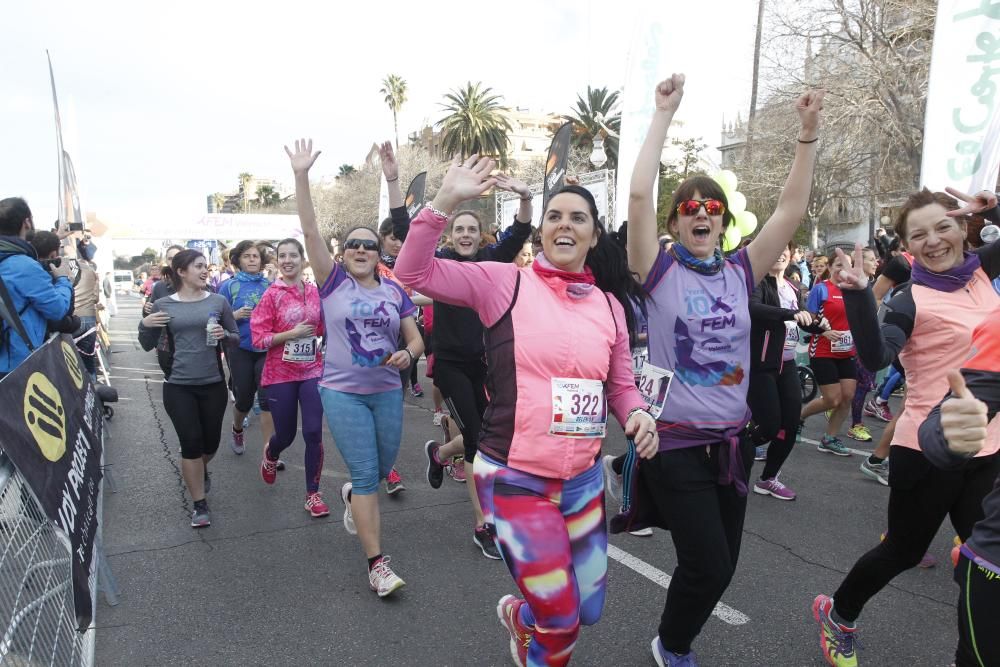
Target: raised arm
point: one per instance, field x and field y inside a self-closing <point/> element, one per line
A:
<point x="302" y="159"/>
<point x="794" y="198"/>
<point x="520" y="232"/>
<point x="390" y="169"/>
<point x="877" y="345"/>
<point x="642" y="245"/>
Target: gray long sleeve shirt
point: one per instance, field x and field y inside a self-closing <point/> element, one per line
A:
<point x="194" y="362"/>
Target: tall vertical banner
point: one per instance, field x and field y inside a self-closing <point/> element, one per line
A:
<point x="52" y="432"/>
<point x="962" y="121"/>
<point x="555" y="165"/>
<point x="69" y="209"/>
<point x="416" y="195"/>
<point x="645" y="69"/>
<point x="383" y="199"/>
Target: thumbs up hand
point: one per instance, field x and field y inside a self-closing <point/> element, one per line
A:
<point x="963" y="418"/>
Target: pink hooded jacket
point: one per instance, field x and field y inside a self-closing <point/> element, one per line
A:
<point x="536" y="330"/>
<point x="280" y="309"/>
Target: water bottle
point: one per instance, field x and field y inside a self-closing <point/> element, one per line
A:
<point x="213" y="320"/>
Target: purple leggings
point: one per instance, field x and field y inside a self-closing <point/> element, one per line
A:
<point x="866" y="382"/>
<point x="284" y="400"/>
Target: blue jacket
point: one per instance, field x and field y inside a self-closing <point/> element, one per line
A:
<point x="244" y="289"/>
<point x="35" y="296"/>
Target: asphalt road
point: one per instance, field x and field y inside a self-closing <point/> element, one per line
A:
<point x="268" y="585"/>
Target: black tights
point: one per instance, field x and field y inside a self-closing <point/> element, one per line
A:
<point x="775" y="400"/>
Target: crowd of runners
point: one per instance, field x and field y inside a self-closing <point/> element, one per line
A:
<point x="531" y="341"/>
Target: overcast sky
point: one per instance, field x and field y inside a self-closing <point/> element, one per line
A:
<point x="164" y="103"/>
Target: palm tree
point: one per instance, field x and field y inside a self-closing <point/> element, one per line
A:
<point x="475" y="123"/>
<point x="394" y="89"/>
<point x="346" y="170"/>
<point x="594" y="114"/>
<point x="267" y="196"/>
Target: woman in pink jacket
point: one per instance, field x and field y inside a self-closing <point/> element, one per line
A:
<point x="557" y="346"/>
<point x="287" y="323"/>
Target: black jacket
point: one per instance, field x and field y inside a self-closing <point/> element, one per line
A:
<point x="767" y="325"/>
<point x="458" y="333"/>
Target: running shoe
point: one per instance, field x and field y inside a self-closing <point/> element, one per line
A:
<point x="798" y="431"/>
<point x="772" y="487"/>
<point x="315" y="505"/>
<point x="237" y="444"/>
<point x="345" y="495"/>
<point x="612" y="480"/>
<point x="382" y="579"/>
<point x="417" y="390"/>
<point x="256" y="406"/>
<point x="394" y="483"/>
<point x="509" y="613"/>
<point x="483" y="539"/>
<point x="435" y="469"/>
<point x="246" y="422"/>
<point x="201" y="517"/>
<point x="281" y="465"/>
<point x="878" y="410"/>
<point x="665" y="658"/>
<point x="900" y="391"/>
<point x="860" y="433"/>
<point x="836" y="641"/>
<point x="833" y="445"/>
<point x="456" y="469"/>
<point x="208" y="481"/>
<point x="760" y="453"/>
<point x="877" y="471"/>
<point x="438" y="415"/>
<point x="268" y="468"/>
<point x="642" y="532"/>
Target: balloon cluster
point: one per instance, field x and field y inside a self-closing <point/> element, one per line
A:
<point x="746" y="222"/>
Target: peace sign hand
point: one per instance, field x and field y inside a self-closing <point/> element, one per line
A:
<point x="463" y="181"/>
<point x="303" y="157"/>
<point x="982" y="201"/>
<point x="390" y="167"/>
<point x="852" y="278"/>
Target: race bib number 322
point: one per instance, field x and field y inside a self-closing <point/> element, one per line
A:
<point x="579" y="409"/>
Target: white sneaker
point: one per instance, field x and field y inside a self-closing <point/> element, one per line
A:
<point x="345" y="492"/>
<point x="642" y="532"/>
<point x="438" y="414"/>
<point x="382" y="579"/>
<point x="612" y="480"/>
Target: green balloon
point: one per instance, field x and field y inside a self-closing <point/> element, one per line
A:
<point x="731" y="239"/>
<point x="746" y="222"/>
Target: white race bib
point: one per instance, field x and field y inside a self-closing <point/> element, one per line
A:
<point x="579" y="409"/>
<point x="654" y="385"/>
<point x="845" y="344"/>
<point x="300" y="351"/>
<point x="791" y="336"/>
<point x="639" y="357"/>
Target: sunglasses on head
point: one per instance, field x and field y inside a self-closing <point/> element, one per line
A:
<point x="361" y="244"/>
<point x="690" y="207"/>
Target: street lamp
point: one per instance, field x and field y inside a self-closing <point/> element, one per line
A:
<point x="598" y="157"/>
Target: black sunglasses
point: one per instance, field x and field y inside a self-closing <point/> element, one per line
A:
<point x="358" y="244"/>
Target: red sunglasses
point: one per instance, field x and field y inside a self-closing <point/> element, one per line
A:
<point x="690" y="207"/>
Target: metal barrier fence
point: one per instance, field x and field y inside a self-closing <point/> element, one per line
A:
<point x="37" y="617"/>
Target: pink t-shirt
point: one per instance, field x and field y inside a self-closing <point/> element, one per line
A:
<point x="282" y="308"/>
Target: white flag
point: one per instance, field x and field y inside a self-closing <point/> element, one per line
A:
<point x="962" y="121"/>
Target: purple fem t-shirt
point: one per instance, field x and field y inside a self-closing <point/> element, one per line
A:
<point x="699" y="328"/>
<point x="362" y="330"/>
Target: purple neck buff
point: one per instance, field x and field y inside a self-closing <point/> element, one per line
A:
<point x="951" y="280"/>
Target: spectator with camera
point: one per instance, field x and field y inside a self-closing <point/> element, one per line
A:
<point x="31" y="294"/>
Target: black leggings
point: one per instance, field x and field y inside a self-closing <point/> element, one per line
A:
<point x="775" y="400"/>
<point x="196" y="411"/>
<point x="462" y="386"/>
<point x="706" y="527"/>
<point x="245" y="368"/>
<point x="978" y="611"/>
<point x="920" y="497"/>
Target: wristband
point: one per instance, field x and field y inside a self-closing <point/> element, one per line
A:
<point x="412" y="359"/>
<point x="811" y="141"/>
<point x="438" y="213"/>
<point x="642" y="410"/>
<point x="526" y="198"/>
<point x="392" y="180"/>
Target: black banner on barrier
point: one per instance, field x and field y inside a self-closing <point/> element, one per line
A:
<point x="51" y="430"/>
<point x="415" y="195"/>
<point x="555" y="165"/>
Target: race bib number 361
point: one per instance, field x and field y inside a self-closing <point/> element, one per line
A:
<point x="579" y="409"/>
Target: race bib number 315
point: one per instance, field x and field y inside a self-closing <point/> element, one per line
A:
<point x="579" y="409"/>
<point x="300" y="351"/>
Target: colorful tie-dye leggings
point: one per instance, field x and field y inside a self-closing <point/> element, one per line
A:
<point x="553" y="538"/>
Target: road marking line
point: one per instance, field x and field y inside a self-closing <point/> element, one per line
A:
<point x="724" y="612"/>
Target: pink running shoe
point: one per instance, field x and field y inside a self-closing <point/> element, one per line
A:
<point x="509" y="613"/>
<point x="268" y="469"/>
<point x="456" y="469"/>
<point x="315" y="505"/>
